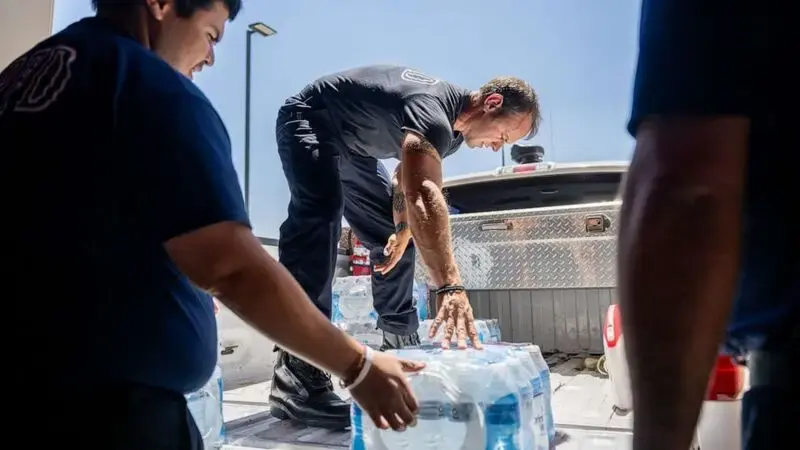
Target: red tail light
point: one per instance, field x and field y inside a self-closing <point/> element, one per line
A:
<point x="727" y="380"/>
<point x="523" y="168"/>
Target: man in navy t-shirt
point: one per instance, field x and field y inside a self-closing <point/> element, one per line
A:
<point x="128" y="211"/>
<point x="707" y="238"/>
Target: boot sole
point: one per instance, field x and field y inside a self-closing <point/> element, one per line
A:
<point x="280" y="411"/>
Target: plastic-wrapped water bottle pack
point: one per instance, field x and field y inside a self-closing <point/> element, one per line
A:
<point x="365" y="332"/>
<point x="469" y="400"/>
<point x="205" y="405"/>
<point x="352" y="300"/>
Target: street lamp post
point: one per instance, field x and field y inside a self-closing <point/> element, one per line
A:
<point x="262" y="30"/>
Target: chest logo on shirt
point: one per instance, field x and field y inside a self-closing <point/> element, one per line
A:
<point x="35" y="80"/>
<point x="414" y="76"/>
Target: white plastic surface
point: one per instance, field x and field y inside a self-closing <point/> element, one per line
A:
<point x="617" y="363"/>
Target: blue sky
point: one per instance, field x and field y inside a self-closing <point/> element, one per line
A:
<point x="579" y="55"/>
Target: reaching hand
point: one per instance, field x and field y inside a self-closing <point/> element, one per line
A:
<point x="456" y="313"/>
<point x="394" y="250"/>
<point x="385" y="393"/>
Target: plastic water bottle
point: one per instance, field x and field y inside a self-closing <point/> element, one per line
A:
<point x="494" y="331"/>
<point x="355" y="298"/>
<point x="365" y="332"/>
<point x="525" y="389"/>
<point x="526" y="376"/>
<point x="206" y="408"/>
<point x="502" y="410"/>
<point x="539" y="426"/>
<point x="484" y="334"/>
<point x="544" y="374"/>
<point x="340" y="285"/>
<point x="420" y="294"/>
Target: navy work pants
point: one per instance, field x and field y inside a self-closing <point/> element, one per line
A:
<point x="327" y="180"/>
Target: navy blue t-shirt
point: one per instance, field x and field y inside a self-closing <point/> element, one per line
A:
<point x="115" y="153"/>
<point x="731" y="58"/>
<point x="370" y="108"/>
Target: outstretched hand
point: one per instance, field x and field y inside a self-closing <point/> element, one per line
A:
<point x="394" y="250"/>
<point x="455" y="313"/>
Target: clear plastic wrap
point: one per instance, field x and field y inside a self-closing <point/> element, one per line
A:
<point x="365" y="332"/>
<point x="352" y="300"/>
<point x="544" y="375"/>
<point x="205" y="405"/>
<point x="526" y="369"/>
<point x="469" y="400"/>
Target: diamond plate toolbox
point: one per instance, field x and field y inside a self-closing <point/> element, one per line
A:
<point x="544" y="248"/>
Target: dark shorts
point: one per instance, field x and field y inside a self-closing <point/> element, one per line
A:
<point x="125" y="417"/>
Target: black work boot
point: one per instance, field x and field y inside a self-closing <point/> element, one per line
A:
<point x="304" y="394"/>
<point x="396" y="341"/>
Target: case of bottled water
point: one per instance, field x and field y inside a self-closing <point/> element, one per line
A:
<point x="544" y="374"/>
<point x="352" y="300"/>
<point x="206" y="408"/>
<point x="486" y="334"/>
<point x="469" y="400"/>
<point x="529" y="372"/>
<point x="365" y="332"/>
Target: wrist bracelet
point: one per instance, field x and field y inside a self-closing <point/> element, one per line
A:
<point x="447" y="288"/>
<point x="362" y="374"/>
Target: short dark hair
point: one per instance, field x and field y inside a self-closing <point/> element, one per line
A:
<point x="186" y="8"/>
<point x="518" y="98"/>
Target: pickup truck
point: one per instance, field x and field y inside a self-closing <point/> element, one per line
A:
<point x="536" y="246"/>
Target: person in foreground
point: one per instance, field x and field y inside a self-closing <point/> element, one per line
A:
<point x="706" y="238"/>
<point x="131" y="214"/>
<point x="330" y="137"/>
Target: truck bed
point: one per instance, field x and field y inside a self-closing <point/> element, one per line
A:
<point x="582" y="406"/>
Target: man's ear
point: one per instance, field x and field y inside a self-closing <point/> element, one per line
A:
<point x="158" y="8"/>
<point x="492" y="103"/>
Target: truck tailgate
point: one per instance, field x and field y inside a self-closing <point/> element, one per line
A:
<point x="582" y="407"/>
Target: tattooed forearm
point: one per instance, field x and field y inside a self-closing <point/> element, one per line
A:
<point x="399" y="201"/>
<point x="401" y="226"/>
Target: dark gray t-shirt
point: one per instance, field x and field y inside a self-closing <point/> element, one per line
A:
<point x="369" y="109"/>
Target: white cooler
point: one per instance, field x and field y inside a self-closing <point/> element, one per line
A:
<point x="616" y="361"/>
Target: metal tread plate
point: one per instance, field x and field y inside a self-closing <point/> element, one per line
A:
<point x="548" y="248"/>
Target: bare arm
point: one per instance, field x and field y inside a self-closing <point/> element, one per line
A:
<point x="399" y="212"/>
<point x="228" y="260"/>
<point x="678" y="259"/>
<point x="426" y="207"/>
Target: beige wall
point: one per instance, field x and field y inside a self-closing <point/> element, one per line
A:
<point x="23" y="23"/>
